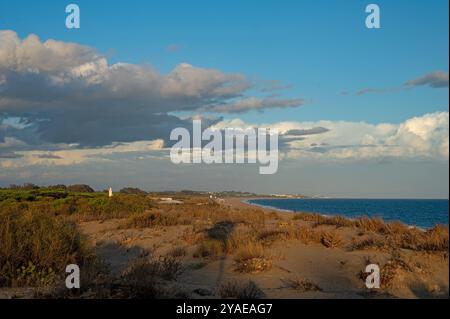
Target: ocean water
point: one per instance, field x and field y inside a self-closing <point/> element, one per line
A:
<point x="423" y="213"/>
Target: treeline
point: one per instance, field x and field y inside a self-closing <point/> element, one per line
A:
<point x="77" y="188"/>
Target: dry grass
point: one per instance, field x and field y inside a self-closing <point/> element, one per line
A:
<point x="151" y="219"/>
<point x="234" y="289"/>
<point x="390" y="270"/>
<point x="38" y="237"/>
<point x="177" y="252"/>
<point x="36" y="247"/>
<point x="375" y="225"/>
<point x="337" y="221"/>
<point x="252" y="258"/>
<point x="367" y="243"/>
<point x="331" y="239"/>
<point x="268" y="237"/>
<point x="435" y="239"/>
<point x="383" y="235"/>
<point x="301" y="285"/>
<point x="142" y="279"/>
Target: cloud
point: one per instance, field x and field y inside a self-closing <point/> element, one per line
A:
<point x="376" y="90"/>
<point x="252" y="104"/>
<point x="418" y="138"/>
<point x="422" y="137"/>
<point x="76" y="156"/>
<point x="172" y="48"/>
<point x="69" y="93"/>
<point x="48" y="156"/>
<point x="10" y="155"/>
<point x="311" y="131"/>
<point x="436" y="79"/>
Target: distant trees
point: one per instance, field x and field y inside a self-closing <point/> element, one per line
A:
<point x="80" y="188"/>
<point x="133" y="190"/>
<point x="26" y="186"/>
<point x="58" y="187"/>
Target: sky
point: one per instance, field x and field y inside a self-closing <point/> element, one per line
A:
<point x="97" y="104"/>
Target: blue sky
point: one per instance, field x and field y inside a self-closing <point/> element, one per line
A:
<point x="321" y="48"/>
<point x="319" y="52"/>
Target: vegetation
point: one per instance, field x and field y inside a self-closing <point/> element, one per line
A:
<point x="252" y="258"/>
<point x="133" y="191"/>
<point x="79" y="206"/>
<point x="35" y="248"/>
<point x="301" y="285"/>
<point x="39" y="236"/>
<point x="234" y="289"/>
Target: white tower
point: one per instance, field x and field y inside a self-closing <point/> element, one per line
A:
<point x="110" y="193"/>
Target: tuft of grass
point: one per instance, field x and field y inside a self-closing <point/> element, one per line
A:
<point x="331" y="239"/>
<point x="149" y="219"/>
<point x="308" y="235"/>
<point x="177" y="252"/>
<point x="143" y="269"/>
<point x="302" y="285"/>
<point x="252" y="258"/>
<point x="235" y="289"/>
<point x="435" y="239"/>
<point x="337" y="221"/>
<point x="375" y="225"/>
<point x="269" y="236"/>
<point x="366" y="243"/>
<point x="139" y="281"/>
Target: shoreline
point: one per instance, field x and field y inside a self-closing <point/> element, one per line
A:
<point x="268" y="208"/>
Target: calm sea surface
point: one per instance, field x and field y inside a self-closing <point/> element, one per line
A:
<point x="420" y="212"/>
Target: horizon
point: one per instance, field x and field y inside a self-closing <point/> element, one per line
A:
<point x="100" y="189"/>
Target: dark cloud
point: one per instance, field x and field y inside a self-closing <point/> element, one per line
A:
<point x="68" y="93"/>
<point x="436" y="79"/>
<point x="10" y="155"/>
<point x="253" y="104"/>
<point x="48" y="156"/>
<point x="311" y="131"/>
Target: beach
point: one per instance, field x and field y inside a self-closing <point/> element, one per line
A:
<point x="203" y="248"/>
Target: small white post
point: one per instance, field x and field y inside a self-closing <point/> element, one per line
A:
<point x="110" y="192"/>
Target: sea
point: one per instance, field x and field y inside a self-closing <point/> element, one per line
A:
<point x="423" y="213"/>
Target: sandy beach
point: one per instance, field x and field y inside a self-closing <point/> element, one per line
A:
<point x="205" y="248"/>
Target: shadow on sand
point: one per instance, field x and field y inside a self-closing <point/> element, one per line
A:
<point x="222" y="231"/>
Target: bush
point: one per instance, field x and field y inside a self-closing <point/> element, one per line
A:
<point x="252" y="258"/>
<point x="331" y="239"/>
<point x="234" y="289"/>
<point x="142" y="278"/>
<point x="81" y="188"/>
<point x="132" y="191"/>
<point x="35" y="248"/>
<point x="60" y="187"/>
<point x="150" y="219"/>
<point x="302" y="285"/>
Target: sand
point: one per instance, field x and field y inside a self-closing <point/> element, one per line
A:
<point x="335" y="272"/>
